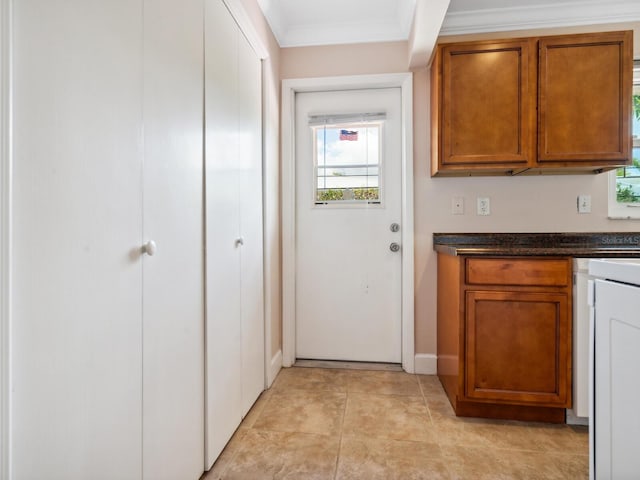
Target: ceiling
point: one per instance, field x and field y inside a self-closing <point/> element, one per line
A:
<point x="467" y="5"/>
<point x="298" y="23"/>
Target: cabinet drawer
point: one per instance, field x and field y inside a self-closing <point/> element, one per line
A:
<point x="516" y="271"/>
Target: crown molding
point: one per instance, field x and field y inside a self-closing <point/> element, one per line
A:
<point x="273" y="14"/>
<point x="564" y="14"/>
<point x="247" y="27"/>
<point x="366" y="29"/>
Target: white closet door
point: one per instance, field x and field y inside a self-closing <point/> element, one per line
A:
<point x="76" y="390"/>
<point x="223" y="243"/>
<point x="251" y="214"/>
<point x="173" y="287"/>
<point x="234" y="272"/>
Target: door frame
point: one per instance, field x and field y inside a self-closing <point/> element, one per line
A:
<point x="290" y="87"/>
<point x="5" y="228"/>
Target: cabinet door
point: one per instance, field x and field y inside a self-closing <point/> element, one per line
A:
<point x="487" y="100"/>
<point x="517" y="347"/>
<point x="173" y="304"/>
<point x="585" y="98"/>
<point x="76" y="332"/>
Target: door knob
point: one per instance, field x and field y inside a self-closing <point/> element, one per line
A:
<point x="239" y="242"/>
<point x="394" y="227"/>
<point x="394" y="247"/>
<point x="149" y="248"/>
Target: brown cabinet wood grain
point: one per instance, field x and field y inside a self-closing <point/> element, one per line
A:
<point x="486" y="104"/>
<point x="517" y="271"/>
<point x="516" y="347"/>
<point x="532" y="105"/>
<point x="504" y="336"/>
<point x="585" y="98"/>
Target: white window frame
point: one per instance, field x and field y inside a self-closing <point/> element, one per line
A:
<point x="351" y="203"/>
<point x="618" y="210"/>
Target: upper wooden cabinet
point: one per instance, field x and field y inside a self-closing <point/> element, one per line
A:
<point x="482" y="107"/>
<point x="532" y="105"/>
<point x="584" y="99"/>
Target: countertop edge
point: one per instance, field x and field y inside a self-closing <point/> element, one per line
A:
<point x="562" y="244"/>
<point x="578" y="252"/>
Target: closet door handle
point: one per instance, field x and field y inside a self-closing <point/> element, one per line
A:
<point x="149" y="248"/>
<point x="239" y="242"/>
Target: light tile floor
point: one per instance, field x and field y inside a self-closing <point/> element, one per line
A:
<point x="317" y="423"/>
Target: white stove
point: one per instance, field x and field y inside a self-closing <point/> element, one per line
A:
<point x="579" y="413"/>
<point x="615" y="360"/>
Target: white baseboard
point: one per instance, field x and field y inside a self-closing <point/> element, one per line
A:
<point x="274" y="368"/>
<point x="572" y="419"/>
<point x="426" y="364"/>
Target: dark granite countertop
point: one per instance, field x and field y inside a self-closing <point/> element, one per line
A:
<point x="583" y="244"/>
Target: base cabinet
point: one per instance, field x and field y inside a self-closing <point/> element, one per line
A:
<point x="504" y="336"/>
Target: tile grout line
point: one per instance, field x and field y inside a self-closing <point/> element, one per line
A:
<point x="344" y="414"/>
<point x="233" y="457"/>
<point x="426" y="404"/>
<point x="438" y="443"/>
<point x="447" y="466"/>
<point x="441" y="448"/>
<point x="241" y="446"/>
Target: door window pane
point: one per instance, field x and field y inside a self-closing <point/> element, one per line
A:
<point x="347" y="163"/>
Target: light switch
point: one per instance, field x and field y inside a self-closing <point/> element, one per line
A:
<point x="584" y="203"/>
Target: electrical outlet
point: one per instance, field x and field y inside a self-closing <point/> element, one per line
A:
<point x="484" y="206"/>
<point x="457" y="206"/>
<point x="584" y="203"/>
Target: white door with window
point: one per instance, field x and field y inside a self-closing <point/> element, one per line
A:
<point x="348" y="225"/>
